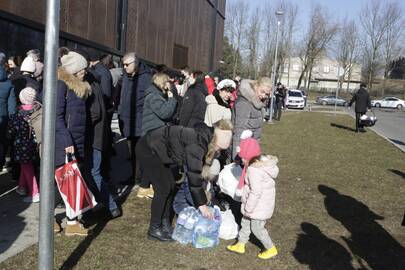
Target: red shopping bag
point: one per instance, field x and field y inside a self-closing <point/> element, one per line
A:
<point x="73" y="190"/>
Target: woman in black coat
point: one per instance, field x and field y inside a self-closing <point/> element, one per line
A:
<point x="72" y="93"/>
<point x="163" y="149"/>
<point x="192" y="111"/>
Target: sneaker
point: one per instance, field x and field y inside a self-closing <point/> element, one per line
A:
<point x="267" y="254"/>
<point x="21" y="191"/>
<point x="56" y="227"/>
<point x="237" y="248"/>
<point x="76" y="229"/>
<point x="33" y="199"/>
<point x="145" y="193"/>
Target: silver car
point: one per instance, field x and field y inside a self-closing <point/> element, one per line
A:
<point x="331" y="100"/>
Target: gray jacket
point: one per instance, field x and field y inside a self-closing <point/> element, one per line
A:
<point x="247" y="113"/>
<point x="157" y="109"/>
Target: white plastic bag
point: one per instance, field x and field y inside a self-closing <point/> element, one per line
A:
<point x="229" y="227"/>
<point x="228" y="180"/>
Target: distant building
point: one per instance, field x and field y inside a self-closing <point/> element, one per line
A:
<point x="171" y="32"/>
<point x="324" y="75"/>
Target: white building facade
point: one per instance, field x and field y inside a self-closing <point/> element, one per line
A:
<point x="324" y="75"/>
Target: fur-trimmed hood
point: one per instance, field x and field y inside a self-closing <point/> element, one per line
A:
<point x="268" y="164"/>
<point x="247" y="91"/>
<point x="82" y="89"/>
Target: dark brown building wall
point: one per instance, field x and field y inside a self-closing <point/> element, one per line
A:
<point x="93" y="20"/>
<point x="155" y="26"/>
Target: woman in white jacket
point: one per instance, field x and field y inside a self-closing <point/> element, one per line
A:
<point x="218" y="106"/>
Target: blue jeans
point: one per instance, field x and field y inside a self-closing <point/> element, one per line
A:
<point x="102" y="186"/>
<point x="183" y="197"/>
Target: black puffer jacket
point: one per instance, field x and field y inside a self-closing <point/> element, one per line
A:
<point x="193" y="106"/>
<point x="96" y="122"/>
<point x="362" y="100"/>
<point x="177" y="145"/>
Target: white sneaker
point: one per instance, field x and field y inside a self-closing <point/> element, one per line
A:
<point x="33" y="199"/>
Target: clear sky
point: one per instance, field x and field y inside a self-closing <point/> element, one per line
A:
<point x="337" y="8"/>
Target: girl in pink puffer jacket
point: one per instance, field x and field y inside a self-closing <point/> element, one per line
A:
<point x="258" y="197"/>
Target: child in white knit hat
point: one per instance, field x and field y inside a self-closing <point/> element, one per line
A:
<point x="25" y="147"/>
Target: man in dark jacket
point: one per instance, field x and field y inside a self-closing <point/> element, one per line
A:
<point x="96" y="139"/>
<point x="280" y="90"/>
<point x="7" y="107"/>
<point x="363" y="104"/>
<point x="192" y="111"/>
<point x="135" y="81"/>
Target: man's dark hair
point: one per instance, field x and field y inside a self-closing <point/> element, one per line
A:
<point x="363" y="85"/>
<point x="198" y="76"/>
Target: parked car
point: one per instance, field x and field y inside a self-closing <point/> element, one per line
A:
<point x="295" y="99"/>
<point x="388" y="102"/>
<point x="331" y="100"/>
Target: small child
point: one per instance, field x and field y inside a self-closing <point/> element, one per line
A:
<point x="25" y="147"/>
<point x="258" y="197"/>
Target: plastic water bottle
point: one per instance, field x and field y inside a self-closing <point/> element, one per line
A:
<point x="183" y="232"/>
<point x="206" y="231"/>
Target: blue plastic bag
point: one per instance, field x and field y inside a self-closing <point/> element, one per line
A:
<point x="186" y="221"/>
<point x="206" y="231"/>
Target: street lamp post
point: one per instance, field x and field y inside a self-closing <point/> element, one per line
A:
<point x="279" y="14"/>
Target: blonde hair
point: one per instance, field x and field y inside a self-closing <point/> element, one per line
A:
<point x="263" y="81"/>
<point x="160" y="79"/>
<point x="224" y="124"/>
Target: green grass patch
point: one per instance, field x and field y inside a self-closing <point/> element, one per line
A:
<point x="340" y="201"/>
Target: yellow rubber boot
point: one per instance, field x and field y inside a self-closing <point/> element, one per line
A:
<point x="237" y="248"/>
<point x="267" y="254"/>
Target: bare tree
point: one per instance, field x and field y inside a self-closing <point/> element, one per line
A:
<point x="391" y="48"/>
<point x="288" y="28"/>
<point x="235" y="26"/>
<point x="253" y="42"/>
<point x="347" y="49"/>
<point x="315" y="42"/>
<point x="374" y="25"/>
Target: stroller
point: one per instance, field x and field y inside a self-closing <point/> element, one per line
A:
<point x="367" y="120"/>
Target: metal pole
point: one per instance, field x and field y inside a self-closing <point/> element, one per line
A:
<point x="337" y="88"/>
<point x="46" y="212"/>
<point x="273" y="79"/>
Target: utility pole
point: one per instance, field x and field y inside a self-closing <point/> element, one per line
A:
<point x="46" y="211"/>
<point x="279" y="14"/>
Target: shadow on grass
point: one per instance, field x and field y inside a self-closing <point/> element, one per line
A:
<point x="371" y="244"/>
<point x="342" y="127"/>
<point x="95" y="216"/>
<point x="315" y="249"/>
<point x="399" y="173"/>
<point x="397" y="141"/>
<point x="83" y="246"/>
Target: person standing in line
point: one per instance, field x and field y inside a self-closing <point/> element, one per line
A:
<point x="247" y="112"/>
<point x="279" y="101"/>
<point x="363" y="104"/>
<point x="192" y="111"/>
<point x="24" y="145"/>
<point x="7" y="107"/>
<point x="96" y="140"/>
<point x="136" y="79"/>
<point x="70" y="126"/>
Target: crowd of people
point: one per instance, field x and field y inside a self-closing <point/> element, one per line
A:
<point x="182" y="128"/>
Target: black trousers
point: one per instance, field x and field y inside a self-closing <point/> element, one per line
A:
<point x="277" y="114"/>
<point x="162" y="180"/>
<point x="358" y="125"/>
